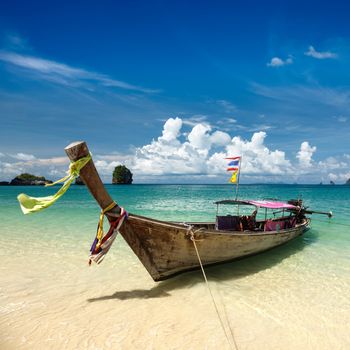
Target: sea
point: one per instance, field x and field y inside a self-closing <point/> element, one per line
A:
<point x="296" y="296"/>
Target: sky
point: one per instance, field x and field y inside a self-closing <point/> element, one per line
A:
<point x="171" y="88"/>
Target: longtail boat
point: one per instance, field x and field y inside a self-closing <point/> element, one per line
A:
<point x="169" y="248"/>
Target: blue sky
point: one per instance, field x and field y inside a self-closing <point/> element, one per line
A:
<point x="170" y="88"/>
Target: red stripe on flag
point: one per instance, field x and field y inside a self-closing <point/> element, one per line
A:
<point x="232" y="169"/>
<point x="233" y="158"/>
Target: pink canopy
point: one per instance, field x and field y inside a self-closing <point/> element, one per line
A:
<point x="271" y="204"/>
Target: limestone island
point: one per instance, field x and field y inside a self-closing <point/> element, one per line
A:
<point x="26" y="179"/>
<point x="122" y="175"/>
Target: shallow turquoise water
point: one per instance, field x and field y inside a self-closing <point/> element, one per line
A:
<point x="299" y="292"/>
<point x="71" y="222"/>
<point x="74" y="217"/>
<point x="78" y="209"/>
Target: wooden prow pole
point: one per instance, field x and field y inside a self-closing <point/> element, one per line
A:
<point x="92" y="180"/>
<point x="89" y="175"/>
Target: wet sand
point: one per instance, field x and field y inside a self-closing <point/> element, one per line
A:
<point x="50" y="299"/>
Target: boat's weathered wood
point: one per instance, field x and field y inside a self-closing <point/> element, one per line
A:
<point x="164" y="248"/>
<point x="89" y="175"/>
<point x="92" y="180"/>
<point x="171" y="252"/>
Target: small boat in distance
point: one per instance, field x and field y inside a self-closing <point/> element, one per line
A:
<point x="169" y="248"/>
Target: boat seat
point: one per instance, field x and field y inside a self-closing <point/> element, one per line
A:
<point x="271" y="225"/>
<point x="228" y="223"/>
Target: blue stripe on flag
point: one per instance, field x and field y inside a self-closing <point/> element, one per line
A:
<point x="234" y="162"/>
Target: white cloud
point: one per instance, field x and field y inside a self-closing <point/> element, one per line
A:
<point x="227" y="124"/>
<point x="29" y="163"/>
<point x="257" y="158"/>
<point x="319" y="55"/>
<point x="230" y="120"/>
<point x="8" y="169"/>
<point x="199" y="136"/>
<point x="52" y="161"/>
<point x="227" y="106"/>
<point x="333" y="163"/>
<point x="64" y="74"/>
<point x="334" y="97"/>
<point x="118" y="157"/>
<point x="340" y="177"/>
<point x="23" y="156"/>
<point x="201" y="139"/>
<point x="337" y="169"/>
<point x="342" y="119"/>
<point x="305" y="154"/>
<point x="171" y="129"/>
<point x="260" y="127"/>
<point x="167" y="155"/>
<point x="195" y="155"/>
<point x="333" y="177"/>
<point x="279" y="62"/>
<point x="220" y="138"/>
<point x="198" y="157"/>
<point x="106" y="168"/>
<point x="194" y="120"/>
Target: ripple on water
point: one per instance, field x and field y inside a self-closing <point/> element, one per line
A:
<point x="296" y="294"/>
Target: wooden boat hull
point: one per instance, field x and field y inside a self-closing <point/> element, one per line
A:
<point x="165" y="249"/>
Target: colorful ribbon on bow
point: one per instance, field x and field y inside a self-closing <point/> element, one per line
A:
<point x="102" y="244"/>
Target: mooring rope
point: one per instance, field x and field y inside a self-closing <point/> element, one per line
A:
<point x="234" y="346"/>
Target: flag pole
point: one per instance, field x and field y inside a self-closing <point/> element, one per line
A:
<point x="239" y="173"/>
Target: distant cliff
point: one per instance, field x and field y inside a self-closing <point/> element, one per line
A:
<point x="26" y="179"/>
<point x="347" y="182"/>
<point x="122" y="175"/>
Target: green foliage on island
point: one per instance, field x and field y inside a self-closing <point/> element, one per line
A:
<point x="29" y="179"/>
<point x="122" y="175"/>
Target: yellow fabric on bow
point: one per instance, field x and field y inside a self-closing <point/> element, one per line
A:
<point x="99" y="234"/>
<point x="34" y="204"/>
